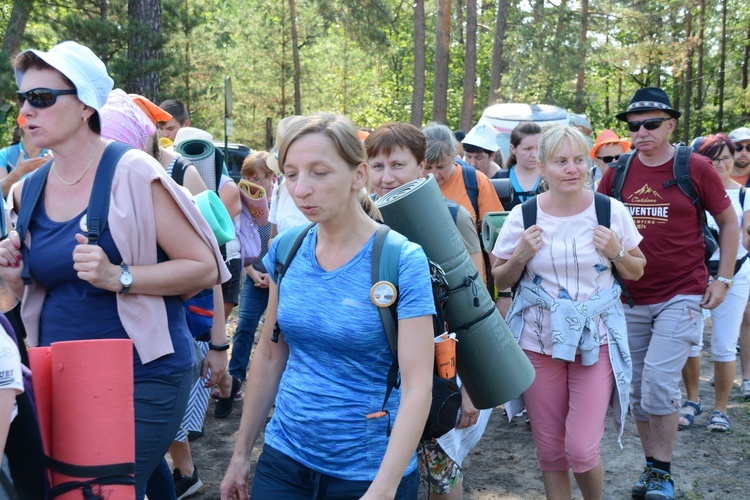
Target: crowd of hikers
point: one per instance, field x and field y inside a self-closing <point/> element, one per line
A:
<point x="133" y="241"/>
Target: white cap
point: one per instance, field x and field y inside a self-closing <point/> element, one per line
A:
<point x="81" y="66"/>
<point x="740" y="134"/>
<point x="482" y="136"/>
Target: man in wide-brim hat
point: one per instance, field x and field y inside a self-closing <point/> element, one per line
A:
<point x="666" y="320"/>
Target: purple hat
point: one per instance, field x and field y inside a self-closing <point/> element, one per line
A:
<point x="649" y="99"/>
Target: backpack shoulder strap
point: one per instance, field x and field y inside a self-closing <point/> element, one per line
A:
<point x="603" y="206"/>
<point x="14" y="153"/>
<point x="742" y="198"/>
<point x="621" y="171"/>
<point x="681" y="170"/>
<point x="32" y="190"/>
<point x="528" y="209"/>
<point x="453" y="209"/>
<point x="288" y="244"/>
<point x="178" y="169"/>
<point x="472" y="188"/>
<point x="101" y="192"/>
<point x="386" y="253"/>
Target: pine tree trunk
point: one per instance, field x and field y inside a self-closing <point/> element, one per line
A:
<point x="417" y="97"/>
<point x="143" y="49"/>
<point x="295" y="57"/>
<point x="699" y="76"/>
<point x="722" y="63"/>
<point x="580" y="82"/>
<point x="19" y="16"/>
<point x="442" y="59"/>
<point x="470" y="65"/>
<point x="688" y="78"/>
<point x="496" y="73"/>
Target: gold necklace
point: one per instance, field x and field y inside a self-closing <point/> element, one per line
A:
<point x="70" y="184"/>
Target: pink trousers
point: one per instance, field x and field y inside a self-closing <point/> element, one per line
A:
<point x="567" y="405"/>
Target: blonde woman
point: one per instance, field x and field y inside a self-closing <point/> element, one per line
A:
<point x="567" y="315"/>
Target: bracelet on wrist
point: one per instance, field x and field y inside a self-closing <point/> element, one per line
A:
<point x="220" y="347"/>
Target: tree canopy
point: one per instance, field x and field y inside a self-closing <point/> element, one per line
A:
<point x="358" y="57"/>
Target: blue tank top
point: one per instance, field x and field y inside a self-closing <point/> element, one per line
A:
<point x="74" y="309"/>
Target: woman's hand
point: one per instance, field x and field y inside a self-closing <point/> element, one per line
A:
<point x="11" y="262"/>
<point x="469" y="414"/>
<point x="260" y="279"/>
<point x="529" y="244"/>
<point x="234" y="484"/>
<point x="217" y="362"/>
<point x="94" y="266"/>
<point x="607" y="242"/>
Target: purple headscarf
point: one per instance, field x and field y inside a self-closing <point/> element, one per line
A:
<point x="122" y="120"/>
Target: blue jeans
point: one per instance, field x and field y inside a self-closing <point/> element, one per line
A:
<point x="280" y="476"/>
<point x="159" y="407"/>
<point x="253" y="302"/>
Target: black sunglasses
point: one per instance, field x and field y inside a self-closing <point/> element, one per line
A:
<point x="650" y="124"/>
<point x="41" y="98"/>
<point x="739" y="147"/>
<point x="608" y="159"/>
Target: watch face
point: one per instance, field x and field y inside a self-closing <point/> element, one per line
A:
<point x="126" y="279"/>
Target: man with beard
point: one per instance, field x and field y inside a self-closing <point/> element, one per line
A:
<point x="666" y="320"/>
<point x="741" y="173"/>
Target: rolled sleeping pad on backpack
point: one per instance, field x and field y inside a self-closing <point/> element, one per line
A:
<point x="254" y="197"/>
<point x="91" y="438"/>
<point x="217" y="216"/>
<point x="492" y="366"/>
<point x="491" y="225"/>
<point x="208" y="160"/>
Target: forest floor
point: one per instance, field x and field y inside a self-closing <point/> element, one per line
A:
<point x="503" y="465"/>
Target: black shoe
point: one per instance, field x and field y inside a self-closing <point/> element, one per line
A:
<point x="185" y="486"/>
<point x="193" y="435"/>
<point x="224" y="405"/>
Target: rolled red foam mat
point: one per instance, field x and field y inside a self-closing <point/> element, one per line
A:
<point x="88" y="417"/>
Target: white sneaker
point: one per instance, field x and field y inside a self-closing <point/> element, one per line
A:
<point x="746" y="389"/>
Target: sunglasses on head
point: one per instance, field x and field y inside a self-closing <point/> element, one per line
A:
<point x="41" y="98"/>
<point x="739" y="147"/>
<point x="608" y="159"/>
<point x="650" y="124"/>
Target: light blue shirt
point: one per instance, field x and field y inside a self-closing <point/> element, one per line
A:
<point x="339" y="359"/>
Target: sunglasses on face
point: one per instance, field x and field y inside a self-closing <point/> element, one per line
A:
<point x="608" y="159"/>
<point x="739" y="147"/>
<point x="41" y="98"/>
<point x="650" y="124"/>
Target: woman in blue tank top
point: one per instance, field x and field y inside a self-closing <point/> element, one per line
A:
<point x="327" y="373"/>
<point x="155" y="249"/>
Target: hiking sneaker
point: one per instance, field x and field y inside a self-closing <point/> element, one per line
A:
<point x="638" y="491"/>
<point x="660" y="486"/>
<point x="224" y="405"/>
<point x="185" y="486"/>
<point x="745" y="389"/>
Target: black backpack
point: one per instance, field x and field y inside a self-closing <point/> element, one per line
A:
<point x="446" y="395"/>
<point x="603" y="207"/>
<point x="681" y="171"/>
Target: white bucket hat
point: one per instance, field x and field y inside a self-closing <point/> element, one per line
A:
<point x="482" y="136"/>
<point x="82" y="67"/>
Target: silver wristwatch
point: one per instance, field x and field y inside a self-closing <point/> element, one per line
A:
<point x="126" y="279"/>
<point x="728" y="282"/>
<point x="619" y="255"/>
